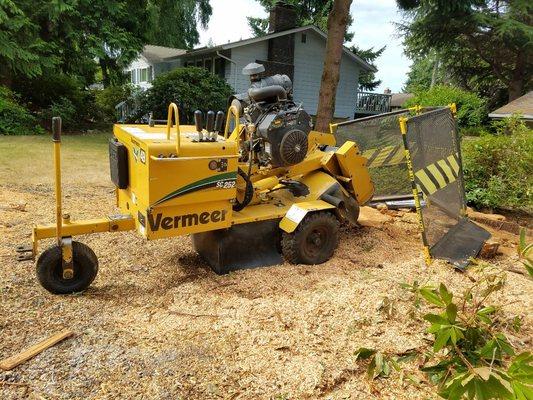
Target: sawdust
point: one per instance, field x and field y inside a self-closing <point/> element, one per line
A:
<point x="157" y="323"/>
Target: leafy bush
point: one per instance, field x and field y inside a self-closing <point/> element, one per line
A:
<point x="190" y="88"/>
<point x="510" y="125"/>
<point x="15" y="119"/>
<point x="471" y="109"/>
<point x="497" y="171"/>
<point x="474" y="131"/>
<point x="41" y="92"/>
<point x="478" y="361"/>
<point x="63" y="108"/>
<point x="106" y="99"/>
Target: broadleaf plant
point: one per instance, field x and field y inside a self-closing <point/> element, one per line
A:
<point x="470" y="358"/>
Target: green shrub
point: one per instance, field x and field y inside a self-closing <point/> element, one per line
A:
<point x="497" y="171"/>
<point x="63" y="108"/>
<point x="471" y="109"/>
<point x="106" y="100"/>
<point x="510" y="125"/>
<point x="43" y="91"/>
<point x="474" y="131"/>
<point x="15" y="119"/>
<point x="190" y="88"/>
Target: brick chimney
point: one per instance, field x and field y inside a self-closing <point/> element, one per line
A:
<point x="280" y="58"/>
<point x="282" y="17"/>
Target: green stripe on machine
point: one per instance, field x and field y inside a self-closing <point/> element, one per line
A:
<point x="198" y="185"/>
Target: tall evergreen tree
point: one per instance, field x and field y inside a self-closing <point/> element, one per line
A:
<point x="482" y="44"/>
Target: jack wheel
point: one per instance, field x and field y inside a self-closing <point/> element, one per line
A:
<point x="314" y="240"/>
<point x="50" y="269"/>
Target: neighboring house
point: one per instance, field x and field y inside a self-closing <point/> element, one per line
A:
<point x="150" y="63"/>
<point x="295" y="51"/>
<point x="398" y="100"/>
<point x="523" y="106"/>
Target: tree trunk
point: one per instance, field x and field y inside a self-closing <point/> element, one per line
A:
<point x="6" y="76"/>
<point x="516" y="84"/>
<point x="105" y="72"/>
<point x="435" y="70"/>
<point x="337" y="20"/>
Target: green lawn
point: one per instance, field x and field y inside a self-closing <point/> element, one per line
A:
<point x="28" y="160"/>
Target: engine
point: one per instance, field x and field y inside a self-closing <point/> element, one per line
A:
<point x="281" y="125"/>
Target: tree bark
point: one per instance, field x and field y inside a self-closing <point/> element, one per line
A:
<point x="105" y="73"/>
<point x="6" y="75"/>
<point x="516" y="84"/>
<point x="337" y="20"/>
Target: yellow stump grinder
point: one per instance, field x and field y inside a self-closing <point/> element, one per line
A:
<point x="251" y="188"/>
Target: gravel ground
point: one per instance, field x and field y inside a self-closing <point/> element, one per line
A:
<point x="158" y="324"/>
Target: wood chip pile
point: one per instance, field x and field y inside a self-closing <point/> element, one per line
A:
<point x="157" y="323"/>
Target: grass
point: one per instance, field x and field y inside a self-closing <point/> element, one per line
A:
<point x="28" y="160"/>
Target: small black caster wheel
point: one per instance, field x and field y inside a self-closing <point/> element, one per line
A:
<point x="50" y="269"/>
<point x="314" y="240"/>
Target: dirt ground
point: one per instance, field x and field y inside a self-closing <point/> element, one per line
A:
<point x="158" y="324"/>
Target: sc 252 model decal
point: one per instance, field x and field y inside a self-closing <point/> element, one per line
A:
<point x="222" y="181"/>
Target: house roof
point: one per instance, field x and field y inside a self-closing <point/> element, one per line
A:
<point x="158" y="53"/>
<point x="398" y="99"/>
<point x="245" y="42"/>
<point x="523" y="105"/>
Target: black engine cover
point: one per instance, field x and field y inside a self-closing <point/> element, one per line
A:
<point x="286" y="131"/>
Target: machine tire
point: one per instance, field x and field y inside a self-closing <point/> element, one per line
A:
<point x="248" y="192"/>
<point x="50" y="271"/>
<point x="303" y="246"/>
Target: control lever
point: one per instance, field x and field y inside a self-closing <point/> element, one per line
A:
<point x="218" y="123"/>
<point x="210" y="126"/>
<point x="199" y="122"/>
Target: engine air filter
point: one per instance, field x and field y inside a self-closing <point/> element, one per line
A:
<point x="293" y="148"/>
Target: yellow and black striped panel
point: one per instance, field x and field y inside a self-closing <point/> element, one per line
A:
<point x="388" y="155"/>
<point x="438" y="175"/>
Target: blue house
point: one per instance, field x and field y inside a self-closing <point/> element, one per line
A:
<point x="295" y="51"/>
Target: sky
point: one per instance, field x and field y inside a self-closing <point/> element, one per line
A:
<point x="373" y="27"/>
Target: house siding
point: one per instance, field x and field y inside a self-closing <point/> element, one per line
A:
<point x="242" y="56"/>
<point x="308" y="66"/>
<point x="141" y="63"/>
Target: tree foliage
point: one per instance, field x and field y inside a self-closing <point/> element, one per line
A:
<point x="177" y="22"/>
<point x="367" y="80"/>
<point x="471" y="109"/>
<point x="308" y="12"/>
<point x="190" y="88"/>
<point x="484" y="45"/>
<point x="69" y="35"/>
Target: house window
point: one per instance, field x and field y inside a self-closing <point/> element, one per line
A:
<point x="144" y="75"/>
<point x="132" y="76"/>
<point x="150" y="73"/>
<point x="189" y="63"/>
<point x="199" y="63"/>
<point x="304" y="38"/>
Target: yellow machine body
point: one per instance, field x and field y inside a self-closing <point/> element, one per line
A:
<point x="171" y="195"/>
<point x="169" y="182"/>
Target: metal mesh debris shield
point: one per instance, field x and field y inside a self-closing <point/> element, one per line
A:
<point x="433" y="160"/>
<point x="379" y="139"/>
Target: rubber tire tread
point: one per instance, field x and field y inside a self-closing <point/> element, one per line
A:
<point x="49" y="269"/>
<point x="290" y="242"/>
